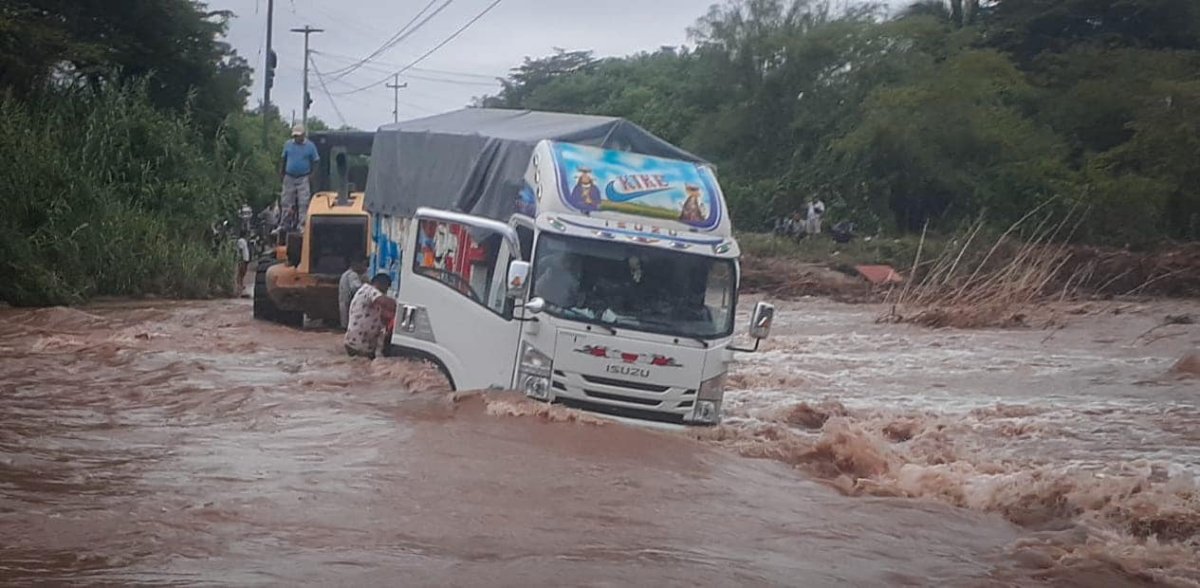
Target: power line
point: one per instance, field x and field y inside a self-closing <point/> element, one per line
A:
<point x="387" y="44"/>
<point x="324" y="88"/>
<point x="444" y="42"/>
<point x="350" y="25"/>
<point x="405" y="32"/>
<point x="492" y="84"/>
<point x="389" y="66"/>
<point x="457" y="73"/>
<point x="478" y="84"/>
<point x="352" y="97"/>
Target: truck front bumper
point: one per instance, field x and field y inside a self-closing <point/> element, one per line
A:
<point x="635" y="399"/>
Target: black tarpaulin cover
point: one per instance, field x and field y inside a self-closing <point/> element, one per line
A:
<point x="474" y="160"/>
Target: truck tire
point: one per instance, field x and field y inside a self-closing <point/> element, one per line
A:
<point x="264" y="307"/>
<point x="295" y="245"/>
<point x="290" y="318"/>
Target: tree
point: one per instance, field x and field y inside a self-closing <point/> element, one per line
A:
<point x="536" y="73"/>
<point x="173" y="44"/>
<point x="953" y="142"/>
<point x="959" y="13"/>
<point x="1029" y="28"/>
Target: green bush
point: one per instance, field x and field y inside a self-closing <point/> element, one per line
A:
<point x="109" y="196"/>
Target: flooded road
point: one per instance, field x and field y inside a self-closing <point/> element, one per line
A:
<point x="163" y="442"/>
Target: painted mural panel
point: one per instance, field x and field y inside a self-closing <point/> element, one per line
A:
<point x="388" y="235"/>
<point x="616" y="181"/>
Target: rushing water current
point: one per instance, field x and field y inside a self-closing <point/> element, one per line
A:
<point x="183" y="443"/>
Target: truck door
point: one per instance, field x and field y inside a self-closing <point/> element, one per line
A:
<point x="453" y="297"/>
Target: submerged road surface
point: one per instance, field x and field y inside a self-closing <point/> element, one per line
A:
<point x="162" y="442"/>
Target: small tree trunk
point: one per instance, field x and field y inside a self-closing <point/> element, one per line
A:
<point x="956" y="13"/>
<point x="970" y="12"/>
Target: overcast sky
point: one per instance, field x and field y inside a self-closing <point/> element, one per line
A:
<point x="511" y="31"/>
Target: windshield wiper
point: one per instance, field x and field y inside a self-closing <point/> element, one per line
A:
<point x="611" y="331"/>
<point x="668" y="325"/>
<point x="582" y="317"/>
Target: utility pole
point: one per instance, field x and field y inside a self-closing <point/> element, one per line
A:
<point x="268" y="73"/>
<point x="305" y="100"/>
<point x="395" y="86"/>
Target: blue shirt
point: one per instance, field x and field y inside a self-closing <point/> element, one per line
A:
<point x="299" y="158"/>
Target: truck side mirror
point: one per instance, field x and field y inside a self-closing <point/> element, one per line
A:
<point x="760" y="320"/>
<point x="535" y="306"/>
<point x="518" y="276"/>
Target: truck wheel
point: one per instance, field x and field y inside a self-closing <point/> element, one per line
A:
<point x="264" y="308"/>
<point x="290" y="318"/>
<point x="295" y="247"/>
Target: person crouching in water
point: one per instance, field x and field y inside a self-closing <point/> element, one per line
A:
<point x="371" y="311"/>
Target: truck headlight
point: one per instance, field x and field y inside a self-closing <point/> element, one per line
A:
<point x="534" y="373"/>
<point x="536" y="387"/>
<point x="707" y="410"/>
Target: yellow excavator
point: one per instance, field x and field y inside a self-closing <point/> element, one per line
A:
<point x="299" y="278"/>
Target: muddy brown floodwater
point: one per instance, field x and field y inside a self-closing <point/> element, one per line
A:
<point x="182" y="443"/>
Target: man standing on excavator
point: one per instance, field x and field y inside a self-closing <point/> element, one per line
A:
<point x="299" y="157"/>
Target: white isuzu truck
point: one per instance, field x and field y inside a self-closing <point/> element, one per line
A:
<point x="578" y="259"/>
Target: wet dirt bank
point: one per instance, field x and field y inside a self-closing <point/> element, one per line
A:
<point x="184" y="443"/>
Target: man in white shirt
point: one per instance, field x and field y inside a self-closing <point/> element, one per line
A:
<point x="371" y="312"/>
<point x="348" y="285"/>
<point x="243" y="262"/>
<point x="816" y="211"/>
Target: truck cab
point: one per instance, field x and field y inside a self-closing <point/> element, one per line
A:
<point x="613" y="288"/>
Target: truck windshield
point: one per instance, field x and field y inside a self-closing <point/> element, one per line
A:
<point x="635" y="287"/>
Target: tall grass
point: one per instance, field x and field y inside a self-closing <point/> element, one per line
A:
<point x="107" y="196"/>
<point x="977" y="285"/>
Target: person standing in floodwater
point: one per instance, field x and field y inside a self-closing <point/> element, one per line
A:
<point x="243" y="262"/>
<point x="371" y="311"/>
<point x="348" y="286"/>
<point x="299" y="157"/>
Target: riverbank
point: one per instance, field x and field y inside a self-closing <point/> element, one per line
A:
<point x="788" y="269"/>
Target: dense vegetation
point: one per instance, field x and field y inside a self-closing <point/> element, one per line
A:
<point x="940" y="114"/>
<point x="124" y="140"/>
<point x="125" y="136"/>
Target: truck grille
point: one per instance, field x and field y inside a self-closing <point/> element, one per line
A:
<point x="621" y="398"/>
<point x="626" y="384"/>
<point x="622" y="395"/>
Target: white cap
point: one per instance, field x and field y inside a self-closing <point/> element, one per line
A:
<point x="297" y="130"/>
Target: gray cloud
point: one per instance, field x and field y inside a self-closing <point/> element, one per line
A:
<point x="513" y="30"/>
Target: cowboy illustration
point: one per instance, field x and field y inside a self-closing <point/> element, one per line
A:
<point x="586" y="193"/>
<point x="692" y="212"/>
